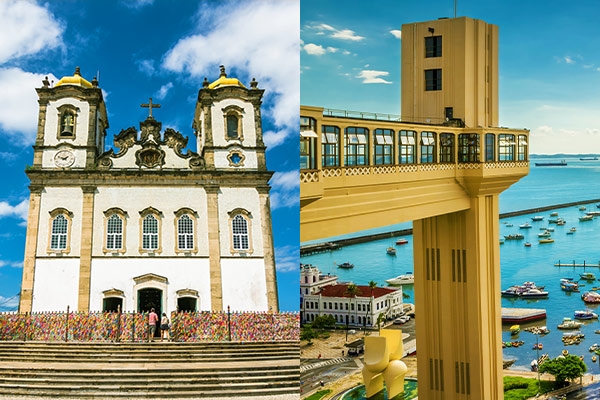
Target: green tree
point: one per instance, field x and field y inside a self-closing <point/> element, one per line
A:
<point x="324" y="322"/>
<point x="380" y="319"/>
<point x="564" y="368"/>
<point x="307" y="333"/>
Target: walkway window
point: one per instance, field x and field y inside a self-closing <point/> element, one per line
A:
<point x="308" y="143"/>
<point x="433" y="79"/>
<point x="427" y="147"/>
<point x="522" y="148"/>
<point x="330" y="146"/>
<point x="446" y="148"/>
<point x="490" y="147"/>
<point x="506" y="147"/>
<point x="433" y="46"/>
<point x="468" y="147"/>
<point x="407" y="147"/>
<point x="384" y="144"/>
<point x="356" y="146"/>
<point x="60" y="231"/>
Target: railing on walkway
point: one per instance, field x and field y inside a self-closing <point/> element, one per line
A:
<point x="203" y="326"/>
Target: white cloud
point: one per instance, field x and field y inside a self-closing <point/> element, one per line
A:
<point x="137" y="3"/>
<point x="397" y="33"/>
<point x="18" y="103"/>
<point x="286" y="189"/>
<point x="314" y="49"/>
<point x="371" y="76"/>
<point x="146" y="66"/>
<point x="269" y="51"/>
<point x="569" y="60"/>
<point x="18" y="211"/>
<point x="287" y="258"/>
<point x="347" y="34"/>
<point x="27" y="28"/>
<point x="164" y="89"/>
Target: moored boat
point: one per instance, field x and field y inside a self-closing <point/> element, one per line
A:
<point x="591" y="297"/>
<point x="537" y="218"/>
<point x="526" y="225"/>
<point x="391" y="251"/>
<point x="406" y="279"/>
<point x="546" y="240"/>
<point x="588" y="276"/>
<point x="534" y="294"/>
<point x="401" y="241"/>
<point x="568" y="285"/>
<point x="514" y="236"/>
<point x="568" y="323"/>
<point x="585" y="315"/>
<point x="584" y="218"/>
<point x="545" y="234"/>
<point x="515" y="329"/>
<point x="527" y="244"/>
<point x="346" y="265"/>
<point x="572" y="231"/>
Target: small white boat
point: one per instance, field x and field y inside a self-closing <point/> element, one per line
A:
<point x="585" y="314"/>
<point x="391" y="251"/>
<point x="406" y="279"/>
<point x="537" y="218"/>
<point x="584" y="218"/>
<point x="401" y="241"/>
<point x="568" y="323"/>
<point x="526" y="225"/>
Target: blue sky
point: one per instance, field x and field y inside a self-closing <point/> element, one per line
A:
<point x="549" y="61"/>
<point x="140" y="49"/>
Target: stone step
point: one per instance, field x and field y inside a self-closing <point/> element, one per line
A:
<point x="143" y="370"/>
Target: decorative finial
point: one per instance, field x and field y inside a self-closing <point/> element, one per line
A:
<point x="222" y="68"/>
<point x="253" y="83"/>
<point x="205" y="82"/>
<point x="77" y="71"/>
<point x="95" y="82"/>
<point x="45" y="82"/>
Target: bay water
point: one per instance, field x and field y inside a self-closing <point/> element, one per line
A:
<point x="579" y="181"/>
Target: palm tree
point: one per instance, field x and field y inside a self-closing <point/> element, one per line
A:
<point x="352" y="290"/>
<point x="372" y="285"/>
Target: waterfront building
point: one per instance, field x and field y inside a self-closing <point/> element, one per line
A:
<point x="312" y="280"/>
<point x="149" y="223"/>
<point x="442" y="165"/>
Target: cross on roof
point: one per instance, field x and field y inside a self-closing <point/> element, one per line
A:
<point x="149" y="106"/>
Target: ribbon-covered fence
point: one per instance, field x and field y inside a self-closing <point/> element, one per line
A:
<point x="133" y="327"/>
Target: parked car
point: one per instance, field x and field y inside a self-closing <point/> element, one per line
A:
<point x="402" y="320"/>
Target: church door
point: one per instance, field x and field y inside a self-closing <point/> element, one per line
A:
<point x="148" y="299"/>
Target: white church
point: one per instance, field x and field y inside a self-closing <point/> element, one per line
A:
<point x="151" y="224"/>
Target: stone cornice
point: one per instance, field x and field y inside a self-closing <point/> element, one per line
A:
<point x="135" y="177"/>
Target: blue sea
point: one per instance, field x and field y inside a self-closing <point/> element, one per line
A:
<point x="544" y="186"/>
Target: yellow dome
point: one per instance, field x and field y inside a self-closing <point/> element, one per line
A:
<point x="76" y="80"/>
<point x="225" y="81"/>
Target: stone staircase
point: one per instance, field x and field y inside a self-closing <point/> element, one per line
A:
<point x="46" y="370"/>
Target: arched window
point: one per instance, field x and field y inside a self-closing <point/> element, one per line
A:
<point x="185" y="233"/>
<point x="60" y="231"/>
<point x="150" y="231"/>
<point x="114" y="232"/>
<point x="67" y="118"/>
<point x="239" y="227"/>
<point x="232" y="116"/>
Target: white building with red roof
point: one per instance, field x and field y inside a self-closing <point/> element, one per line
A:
<point x="360" y="310"/>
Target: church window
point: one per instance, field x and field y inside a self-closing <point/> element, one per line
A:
<point x="60" y="226"/>
<point x="150" y="233"/>
<point x="239" y="227"/>
<point x="67" y="118"/>
<point x="185" y="233"/>
<point x="236" y="158"/>
<point x="232" y="116"/>
<point x="114" y="233"/>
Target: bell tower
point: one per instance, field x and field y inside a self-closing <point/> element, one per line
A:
<point x="228" y="126"/>
<point x="72" y="123"/>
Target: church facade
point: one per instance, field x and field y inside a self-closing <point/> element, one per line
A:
<point x="149" y="223"/>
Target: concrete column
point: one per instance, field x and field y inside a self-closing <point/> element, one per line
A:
<point x="87" y="236"/>
<point x="268" y="249"/>
<point x="31" y="241"/>
<point x="214" y="248"/>
<point x="457" y="295"/>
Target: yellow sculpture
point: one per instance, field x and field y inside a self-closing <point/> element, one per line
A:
<point x="382" y="363"/>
